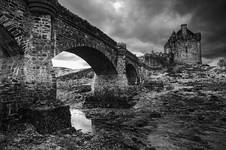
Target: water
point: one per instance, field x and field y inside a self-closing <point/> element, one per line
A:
<point x="184" y="123"/>
<point x="80" y="122"/>
<point x="112" y="128"/>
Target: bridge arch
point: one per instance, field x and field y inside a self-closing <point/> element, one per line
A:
<point x="8" y="45"/>
<point x="96" y="59"/>
<point x="11" y="72"/>
<point x="131" y="74"/>
<point x="15" y="27"/>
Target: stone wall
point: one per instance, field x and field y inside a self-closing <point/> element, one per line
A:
<point x="112" y="85"/>
<point x="70" y="39"/>
<point x="12" y="45"/>
<point x="39" y="30"/>
<point x="26" y="75"/>
<point x="184" y="46"/>
<point x="106" y="86"/>
<point x="187" y="52"/>
<point x="70" y="75"/>
<point x="84" y="26"/>
<point x="38" y="67"/>
<point x="13" y="17"/>
<point x="11" y="87"/>
<point x="156" y="59"/>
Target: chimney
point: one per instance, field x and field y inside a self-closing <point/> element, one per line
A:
<point x="184" y="28"/>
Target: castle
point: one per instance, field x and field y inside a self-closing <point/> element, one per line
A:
<point x="184" y="46"/>
<point x="155" y="59"/>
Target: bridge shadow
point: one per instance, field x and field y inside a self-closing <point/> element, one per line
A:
<point x="131" y="75"/>
<point x="97" y="60"/>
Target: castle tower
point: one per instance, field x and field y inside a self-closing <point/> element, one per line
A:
<point x="185" y="46"/>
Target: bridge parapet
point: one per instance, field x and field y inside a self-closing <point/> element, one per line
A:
<point x="84" y="25"/>
<point x="121" y="45"/>
<point x="132" y="57"/>
<point x="123" y="51"/>
<point x="121" y="48"/>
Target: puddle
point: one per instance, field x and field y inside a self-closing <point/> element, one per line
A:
<point x="80" y="122"/>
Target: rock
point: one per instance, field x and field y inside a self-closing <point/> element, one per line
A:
<point x="48" y="120"/>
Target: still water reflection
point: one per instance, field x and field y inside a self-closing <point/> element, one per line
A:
<point x="138" y="130"/>
<point x="80" y="122"/>
<point x="112" y="128"/>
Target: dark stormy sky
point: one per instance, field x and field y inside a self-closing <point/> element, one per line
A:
<point x="145" y="25"/>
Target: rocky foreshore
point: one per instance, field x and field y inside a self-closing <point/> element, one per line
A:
<point x="181" y="109"/>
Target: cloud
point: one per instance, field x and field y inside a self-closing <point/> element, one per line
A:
<point x="211" y="62"/>
<point x="209" y="19"/>
<point x="66" y="56"/>
<point x="147" y="21"/>
<point x="69" y="60"/>
<point x="145" y="25"/>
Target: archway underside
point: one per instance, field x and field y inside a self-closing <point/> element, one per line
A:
<point x="8" y="45"/>
<point x="97" y="60"/>
<point x="131" y="75"/>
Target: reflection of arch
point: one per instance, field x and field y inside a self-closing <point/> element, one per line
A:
<point x="97" y="60"/>
<point x="8" y="45"/>
<point x="131" y="75"/>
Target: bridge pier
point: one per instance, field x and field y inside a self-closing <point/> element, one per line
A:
<point x="40" y="82"/>
<point x="109" y="85"/>
<point x="109" y="91"/>
<point x="113" y="86"/>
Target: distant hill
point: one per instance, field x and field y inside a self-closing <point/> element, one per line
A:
<point x="85" y="73"/>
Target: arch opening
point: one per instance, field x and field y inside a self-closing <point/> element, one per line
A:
<point x="79" y="59"/>
<point x="131" y="75"/>
<point x="70" y="61"/>
<point x="97" y="60"/>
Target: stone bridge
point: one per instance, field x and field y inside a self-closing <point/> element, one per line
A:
<point x="32" y="32"/>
